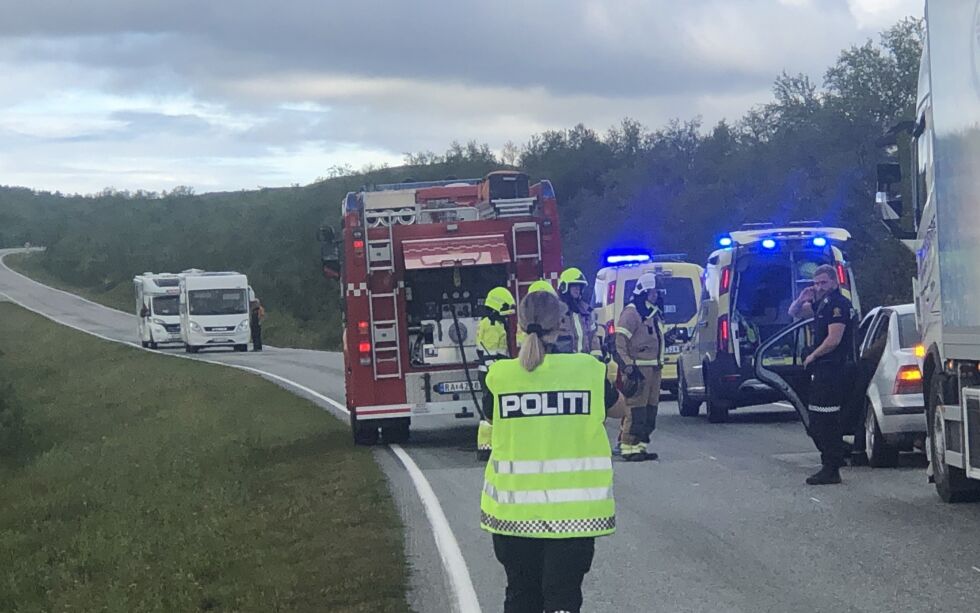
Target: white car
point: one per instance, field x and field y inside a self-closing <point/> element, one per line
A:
<point x="895" y="417"/>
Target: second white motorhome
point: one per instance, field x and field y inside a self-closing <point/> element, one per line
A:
<point x="157" y="313"/>
<point x="214" y="310"/>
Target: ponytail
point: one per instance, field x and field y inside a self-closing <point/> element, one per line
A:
<point x="539" y="316"/>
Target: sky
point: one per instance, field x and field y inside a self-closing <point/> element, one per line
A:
<point x="227" y="95"/>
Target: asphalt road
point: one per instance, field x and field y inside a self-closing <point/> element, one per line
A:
<point x="723" y="522"/>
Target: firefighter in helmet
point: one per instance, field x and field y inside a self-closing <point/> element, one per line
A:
<point x="640" y="343"/>
<point x="578" y="332"/>
<point x="492" y="344"/>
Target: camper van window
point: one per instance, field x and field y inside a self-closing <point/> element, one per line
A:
<point x="217" y="302"/>
<point x="165" y="305"/>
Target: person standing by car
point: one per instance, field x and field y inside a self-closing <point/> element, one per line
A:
<point x="547" y="491"/>
<point x="255" y="316"/>
<point x="829" y="367"/>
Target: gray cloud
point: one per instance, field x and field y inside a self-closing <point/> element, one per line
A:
<point x="268" y="80"/>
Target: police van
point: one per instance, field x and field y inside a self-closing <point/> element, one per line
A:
<point x="750" y="283"/>
<point x="682" y="289"/>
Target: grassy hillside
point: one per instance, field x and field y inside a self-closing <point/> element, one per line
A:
<point x="137" y="482"/>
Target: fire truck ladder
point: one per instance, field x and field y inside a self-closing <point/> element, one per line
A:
<point x="385" y="346"/>
<point x="517" y="229"/>
<point x="384" y="335"/>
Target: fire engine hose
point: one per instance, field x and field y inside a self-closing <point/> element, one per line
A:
<point x="466" y="366"/>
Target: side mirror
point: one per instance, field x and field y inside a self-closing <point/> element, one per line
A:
<point x="325" y="234"/>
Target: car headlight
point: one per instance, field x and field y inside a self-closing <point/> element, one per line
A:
<point x="243" y="326"/>
<point x="196" y="327"/>
<point x="159" y="321"/>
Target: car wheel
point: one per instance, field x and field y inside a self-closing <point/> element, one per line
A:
<point x="952" y="484"/>
<point x="365" y="433"/>
<point x="717" y="408"/>
<point x="687" y="406"/>
<point x="880" y="454"/>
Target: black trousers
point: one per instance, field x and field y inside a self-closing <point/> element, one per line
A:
<point x="256" y="327"/>
<point x="543" y="574"/>
<point x="828" y="390"/>
<point x="828" y="435"/>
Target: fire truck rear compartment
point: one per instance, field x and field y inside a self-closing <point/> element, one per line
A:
<point x="431" y="297"/>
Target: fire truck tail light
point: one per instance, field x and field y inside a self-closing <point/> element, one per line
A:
<point x="362" y="327"/>
<point x="359" y="244"/>
<point x="364" y="347"/>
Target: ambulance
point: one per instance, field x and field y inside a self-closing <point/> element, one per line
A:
<point x="681" y="289"/>
<point x="750" y="283"/>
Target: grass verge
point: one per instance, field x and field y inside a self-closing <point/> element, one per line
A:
<point x="145" y="483"/>
<point x="278" y="329"/>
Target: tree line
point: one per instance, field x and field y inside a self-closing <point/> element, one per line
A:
<point x="808" y="154"/>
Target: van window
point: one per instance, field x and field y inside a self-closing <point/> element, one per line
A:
<point x="679" y="303"/>
<point x="165" y="305"/>
<point x="767" y="283"/>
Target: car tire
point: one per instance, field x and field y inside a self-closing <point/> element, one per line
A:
<point x="365" y="433"/>
<point x="241" y="348"/>
<point x="687" y="406"/>
<point x="880" y="454"/>
<point x="952" y="484"/>
<point x="396" y="430"/>
<point x="717" y="408"/>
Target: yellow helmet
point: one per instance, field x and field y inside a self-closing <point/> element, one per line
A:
<point x="542" y="286"/>
<point x="569" y="277"/>
<point x="500" y="300"/>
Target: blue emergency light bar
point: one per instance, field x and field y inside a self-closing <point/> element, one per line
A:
<point x="768" y="243"/>
<point x="627" y="258"/>
<point x="819" y="241"/>
<point x="725" y="241"/>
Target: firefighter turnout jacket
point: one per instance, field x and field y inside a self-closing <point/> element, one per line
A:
<point x="577" y="331"/>
<point x="640" y="335"/>
<point x="491" y="341"/>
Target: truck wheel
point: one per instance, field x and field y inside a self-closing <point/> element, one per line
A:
<point x="952" y="484"/>
<point x="365" y="432"/>
<point x="880" y="454"/>
<point x="396" y="430"/>
<point x="717" y="408"/>
<point x="145" y="344"/>
<point x="152" y="345"/>
<point x="687" y="406"/>
<point x="191" y="348"/>
<point x="241" y="348"/>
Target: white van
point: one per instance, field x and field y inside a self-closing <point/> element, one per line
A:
<point x="214" y="310"/>
<point x="157" y="308"/>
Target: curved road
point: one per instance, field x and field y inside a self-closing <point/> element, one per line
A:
<point x="723" y="522"/>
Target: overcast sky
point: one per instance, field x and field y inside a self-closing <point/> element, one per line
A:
<point x="228" y="95"/>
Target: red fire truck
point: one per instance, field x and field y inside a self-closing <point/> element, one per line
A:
<point x="418" y="259"/>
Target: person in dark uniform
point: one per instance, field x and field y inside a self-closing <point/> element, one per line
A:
<point x="829" y="366"/>
<point x="256" y="313"/>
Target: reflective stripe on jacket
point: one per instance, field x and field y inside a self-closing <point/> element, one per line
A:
<point x="639" y="340"/>
<point x="577" y="332"/>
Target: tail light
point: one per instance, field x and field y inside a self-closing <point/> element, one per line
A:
<point x="358" y="243"/>
<point x="611" y="292"/>
<point x="724" y="333"/>
<point x="362" y="327"/>
<point x="841" y="274"/>
<point x="726" y="279"/>
<point x="611" y="327"/>
<point x="364" y="347"/>
<point x="908" y="380"/>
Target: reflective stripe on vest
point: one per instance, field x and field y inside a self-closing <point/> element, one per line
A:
<point x="550" y="472"/>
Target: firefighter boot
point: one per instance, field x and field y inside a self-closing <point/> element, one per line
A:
<point x="633" y="453"/>
<point x="824" y="476"/>
<point x="484" y="436"/>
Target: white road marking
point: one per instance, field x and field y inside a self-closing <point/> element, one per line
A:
<point x="453" y="563"/>
<point x="976" y="569"/>
<point x="452" y="557"/>
<point x="712" y="458"/>
<point x="814" y="499"/>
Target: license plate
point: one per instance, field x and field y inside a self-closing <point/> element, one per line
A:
<point x="670" y="308"/>
<point x="456" y="387"/>
<point x="673" y="349"/>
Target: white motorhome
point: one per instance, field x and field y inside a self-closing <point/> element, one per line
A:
<point x="214" y="310"/>
<point x="945" y="173"/>
<point x="157" y="310"/>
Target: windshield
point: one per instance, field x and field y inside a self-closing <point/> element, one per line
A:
<point x="217" y="302"/>
<point x="165" y="305"/>
<point x="908" y="332"/>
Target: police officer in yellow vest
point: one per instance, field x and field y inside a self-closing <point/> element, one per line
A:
<point x="640" y="343"/>
<point x="578" y="328"/>
<point x="492" y="344"/>
<point x="547" y="489"/>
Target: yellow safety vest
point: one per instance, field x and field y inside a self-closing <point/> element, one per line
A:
<point x="550" y="473"/>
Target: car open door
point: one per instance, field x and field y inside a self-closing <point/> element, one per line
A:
<point x="779" y="363"/>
